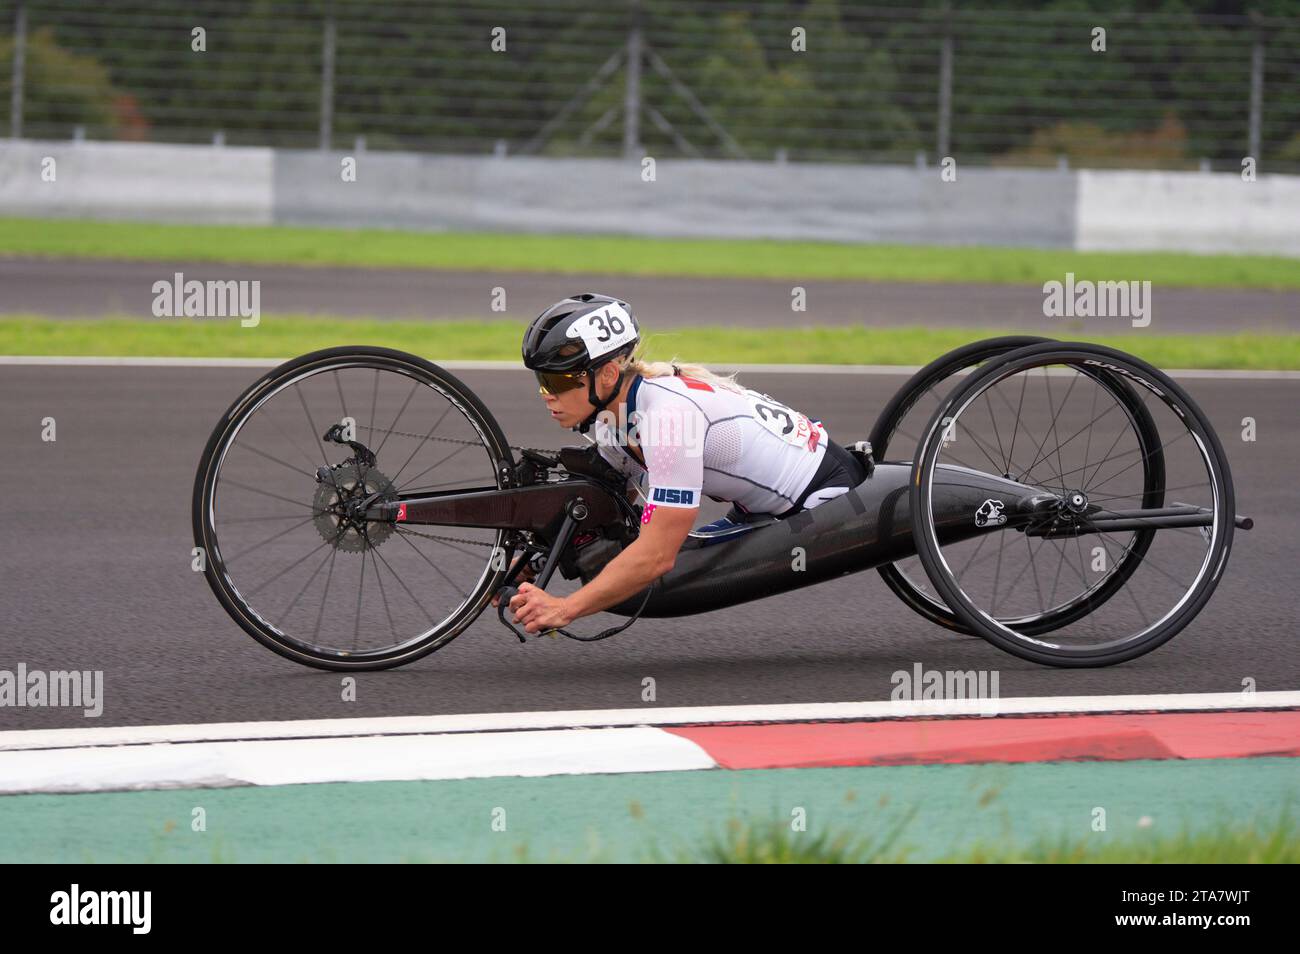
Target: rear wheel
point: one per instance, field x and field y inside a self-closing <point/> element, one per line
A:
<point x="278" y="515"/>
<point x="897" y="436"/>
<point x="1074" y="423"/>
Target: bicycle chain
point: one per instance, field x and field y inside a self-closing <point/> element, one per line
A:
<point x="430" y="536"/>
<point x="449" y="440"/>
<point x="453" y="440"/>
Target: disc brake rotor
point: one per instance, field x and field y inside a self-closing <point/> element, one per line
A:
<point x="337" y="507"/>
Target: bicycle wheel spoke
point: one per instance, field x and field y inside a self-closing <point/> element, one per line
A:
<point x="402" y="583"/>
<point x="230" y="521"/>
<point x="383" y="594"/>
<point x="282" y="463"/>
<point x="324" y="600"/>
<point x="1147" y="561"/>
<point x="980" y="546"/>
<point x="437" y="464"/>
<point x="1086" y="428"/>
<point x="312" y="424"/>
<point x="315" y="573"/>
<point x="997" y="573"/>
<point x="339" y="385"/>
<point x="402" y="410"/>
<point x="1145" y="457"/>
<point x="1042" y="608"/>
<point x="1019" y="408"/>
<point x="436" y="424"/>
<point x="437" y="569"/>
<point x="271" y="539"/>
<point x="996" y="433"/>
<point x="267" y="493"/>
<point x="979" y="445"/>
<point x="361" y="589"/>
<point x="374" y="408"/>
<point x="269" y="580"/>
<point x="291" y="442"/>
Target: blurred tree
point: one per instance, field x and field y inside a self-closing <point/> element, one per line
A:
<point x="61" y="90"/>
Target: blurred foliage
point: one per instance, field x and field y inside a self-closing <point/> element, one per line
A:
<point x="68" y="88"/>
<point x="1090" y="144"/>
<point x="1172" y="87"/>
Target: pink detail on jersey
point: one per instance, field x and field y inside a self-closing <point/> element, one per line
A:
<point x="647" y="513"/>
<point x="694" y="384"/>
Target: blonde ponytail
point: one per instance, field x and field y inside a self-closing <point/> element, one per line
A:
<point x="635" y="363"/>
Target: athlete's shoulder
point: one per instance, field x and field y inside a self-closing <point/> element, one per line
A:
<point x="677" y="390"/>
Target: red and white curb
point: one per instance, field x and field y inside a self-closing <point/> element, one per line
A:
<point x="1218" y="725"/>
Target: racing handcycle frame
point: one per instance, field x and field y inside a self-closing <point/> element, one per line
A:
<point x="568" y="510"/>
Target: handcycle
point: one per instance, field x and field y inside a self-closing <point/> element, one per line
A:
<point x="358" y="508"/>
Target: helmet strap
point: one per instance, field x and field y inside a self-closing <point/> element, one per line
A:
<point x="599" y="403"/>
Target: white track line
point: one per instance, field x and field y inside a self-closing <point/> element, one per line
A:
<point x="351" y="759"/>
<point x="31" y="739"/>
<point x="877" y="369"/>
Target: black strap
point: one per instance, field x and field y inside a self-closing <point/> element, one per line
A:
<point x="598" y="403"/>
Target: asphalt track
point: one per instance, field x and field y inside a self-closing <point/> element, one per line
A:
<point x="88" y="288"/>
<point x="96" y="574"/>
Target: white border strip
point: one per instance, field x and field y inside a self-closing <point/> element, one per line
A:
<point x="30" y="739"/>
<point x="878" y="369"/>
<point x="350" y="759"/>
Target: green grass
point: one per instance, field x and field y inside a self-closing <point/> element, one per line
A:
<point x="283" y="336"/>
<point x="775" y="843"/>
<point x="624" y="255"/>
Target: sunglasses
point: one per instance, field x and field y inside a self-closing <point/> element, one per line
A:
<point x="557" y="382"/>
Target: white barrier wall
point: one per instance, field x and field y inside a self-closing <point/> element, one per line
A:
<point x="157" y="183"/>
<point x="1188" y="211"/>
<point x="1199" y="212"/>
<point x="692" y="198"/>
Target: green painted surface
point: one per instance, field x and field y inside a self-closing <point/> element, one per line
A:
<point x="938" y="811"/>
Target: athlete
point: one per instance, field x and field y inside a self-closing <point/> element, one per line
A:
<point x="679" y="432"/>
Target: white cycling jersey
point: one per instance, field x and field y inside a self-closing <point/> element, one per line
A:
<point x="699" y="439"/>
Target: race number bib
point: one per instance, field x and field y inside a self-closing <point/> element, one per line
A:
<point x="786" y="423"/>
<point x="604" y="330"/>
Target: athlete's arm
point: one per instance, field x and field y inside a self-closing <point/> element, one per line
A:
<point x="648" y="557"/>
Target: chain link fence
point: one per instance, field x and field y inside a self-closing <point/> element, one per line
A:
<point x="1014" y="84"/>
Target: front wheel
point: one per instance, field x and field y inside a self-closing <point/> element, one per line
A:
<point x="278" y="515"/>
<point x="1132" y="561"/>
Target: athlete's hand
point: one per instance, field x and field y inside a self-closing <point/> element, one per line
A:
<point x="527" y="573"/>
<point x="537" y="611"/>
